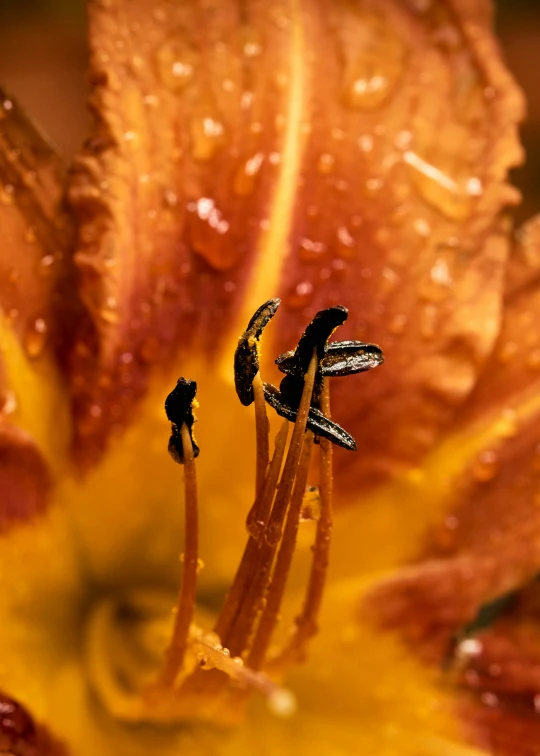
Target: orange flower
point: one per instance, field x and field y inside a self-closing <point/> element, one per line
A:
<point x="327" y="152"/>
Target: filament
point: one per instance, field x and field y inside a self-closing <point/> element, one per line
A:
<point x="174" y="656"/>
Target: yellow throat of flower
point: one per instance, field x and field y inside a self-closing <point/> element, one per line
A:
<point x="146" y="670"/>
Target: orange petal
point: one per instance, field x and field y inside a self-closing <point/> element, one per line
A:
<point x="328" y="152"/>
<point x="24" y="478"/>
<point x="35" y="276"/>
<point x="488" y="542"/>
<point x="20" y="735"/>
<point x="34" y="301"/>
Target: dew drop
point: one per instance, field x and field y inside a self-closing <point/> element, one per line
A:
<point x="397" y="324"/>
<point x="244" y="180"/>
<point x="35" y="338"/>
<point x="207" y="137"/>
<point x="374" y="68"/>
<point x="428" y="321"/>
<point x="346" y="245"/>
<point x="45" y="266"/>
<point x="7" y="194"/>
<point x="365" y="142"/>
<point x="507" y="425"/>
<point x="485" y="466"/>
<point x="533" y="359"/>
<point x="326" y="163"/>
<point x="282" y="703"/>
<point x="311" y="251"/>
<point x="209" y="234"/>
<point x="300" y="296"/>
<point x="10" y="403"/>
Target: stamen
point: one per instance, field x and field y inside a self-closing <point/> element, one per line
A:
<point x="262" y="429"/>
<point x="284" y="559"/>
<point x="179" y="408"/>
<point x="174" y="656"/>
<point x="256" y="523"/>
<point x="306" y="623"/>
<point x="252" y="598"/>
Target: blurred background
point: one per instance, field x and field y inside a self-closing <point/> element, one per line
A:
<point x="43" y="62"/>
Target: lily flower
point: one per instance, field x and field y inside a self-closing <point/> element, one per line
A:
<point x="342" y="157"/>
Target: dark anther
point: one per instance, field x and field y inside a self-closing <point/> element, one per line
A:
<point x="317" y="422"/>
<point x="179" y="410"/>
<point x="314" y="337"/>
<point x="349" y="357"/>
<point x="246" y="357"/>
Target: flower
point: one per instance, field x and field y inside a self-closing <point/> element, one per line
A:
<point x="329" y="153"/>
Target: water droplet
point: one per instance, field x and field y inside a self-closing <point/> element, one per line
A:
<point x="390" y="280"/>
<point x="45" y="266"/>
<point x="485" y="466"/>
<point x="7" y="105"/>
<point x="282" y="703"/>
<point x="131" y="136"/>
<point x="30" y="235"/>
<point x="7" y="194"/>
<point x="177" y="63"/>
<point x="428" y="321"/>
<point x="469" y="647"/>
<point x="300" y="296"/>
<point x="447" y="193"/>
<point x="311" y="251"/>
<point x="346" y="245"/>
<point x="365" y="142"/>
<point x="208" y="232"/>
<point x="373" y="68"/>
<point x="326" y="163"/>
<point x="244" y="180"/>
<point x="533" y="359"/>
<point x="10" y="403"/>
<point x="422" y="227"/>
<point x="207" y="137"/>
<point x="35" y="338"/>
<point x="474" y="187"/>
<point x="170" y="198"/>
<point x="397" y="324"/>
<point x="507" y="425"/>
<point x="95" y="411"/>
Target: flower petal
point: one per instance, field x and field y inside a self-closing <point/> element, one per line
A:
<point x="487" y="540"/>
<point x="25" y="480"/>
<point x="19" y="733"/>
<point x="34" y="266"/>
<point x="328" y="152"/>
<point x="34" y="276"/>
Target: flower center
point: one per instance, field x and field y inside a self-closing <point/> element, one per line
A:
<point x="149" y="666"/>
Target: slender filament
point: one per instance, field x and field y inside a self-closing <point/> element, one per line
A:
<point x="306" y="623"/>
<point x="259" y="515"/>
<point x="174" y="656"/>
<point x="276" y="590"/>
<point x="262" y="429"/>
<point x="253" y="597"/>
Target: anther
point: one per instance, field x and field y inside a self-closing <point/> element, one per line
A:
<point x="314" y="337"/>
<point x="317" y="422"/>
<point x="246" y="357"/>
<point x="179" y="406"/>
<point x="340" y="358"/>
<point x="249" y="385"/>
<point x="179" y="409"/>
